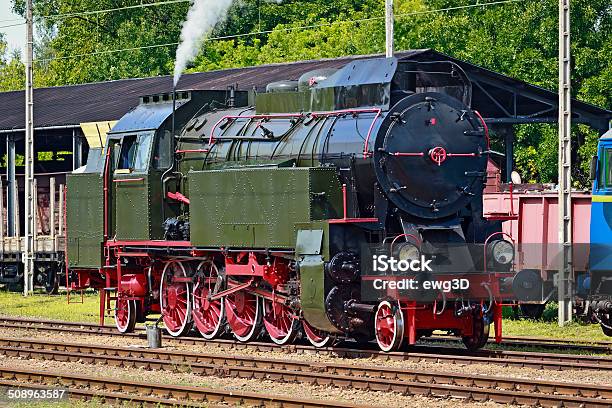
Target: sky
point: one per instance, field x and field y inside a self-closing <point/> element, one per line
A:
<point x="15" y="36"/>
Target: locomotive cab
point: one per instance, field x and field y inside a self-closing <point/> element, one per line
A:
<point x="140" y="154"/>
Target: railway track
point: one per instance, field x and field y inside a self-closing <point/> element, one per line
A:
<point x="113" y="390"/>
<point x="599" y="347"/>
<point x="596" y="347"/>
<point x="408" y="382"/>
<point x="449" y="355"/>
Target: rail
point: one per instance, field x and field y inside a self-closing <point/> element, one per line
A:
<point x="419" y="353"/>
<point x="342" y="375"/>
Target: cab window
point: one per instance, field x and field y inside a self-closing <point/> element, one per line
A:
<point x="128" y="147"/>
<point x="134" y="153"/>
<point x="605" y="169"/>
<point x="162" y="157"/>
<point x="143" y="150"/>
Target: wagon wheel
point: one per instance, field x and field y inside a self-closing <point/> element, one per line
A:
<point x="605" y="322"/>
<point x="125" y="314"/>
<point x="51" y="282"/>
<point x="208" y="315"/>
<point x="243" y="311"/>
<point x="175" y="299"/>
<point x="316" y="337"/>
<point x="532" y="311"/>
<point x="280" y="322"/>
<point x="47" y="276"/>
<point x="389" y="326"/>
<point x="480" y="335"/>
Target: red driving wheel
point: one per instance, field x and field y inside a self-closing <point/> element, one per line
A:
<point x="125" y="314"/>
<point x="175" y="299"/>
<point x="389" y="326"/>
<point x="208" y="315"/>
<point x="280" y="322"/>
<point x="243" y="311"/>
<point x="316" y="337"/>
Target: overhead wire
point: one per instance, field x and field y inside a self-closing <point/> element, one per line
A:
<point x="111" y="10"/>
<point x="12" y="25"/>
<point x="12" y="19"/>
<point x="283" y="29"/>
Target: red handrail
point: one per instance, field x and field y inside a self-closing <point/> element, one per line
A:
<point x="211" y="139"/>
<point x="105" y="204"/>
<point x="408" y="154"/>
<point x="417" y="240"/>
<point x="487" y="242"/>
<point x="344" y="201"/>
<point x="377" y="111"/>
<point x="486" y="128"/>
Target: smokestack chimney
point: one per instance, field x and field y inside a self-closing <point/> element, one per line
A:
<point x="232" y="96"/>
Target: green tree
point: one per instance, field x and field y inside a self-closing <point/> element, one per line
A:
<point x="12" y="74"/>
<point x="517" y="39"/>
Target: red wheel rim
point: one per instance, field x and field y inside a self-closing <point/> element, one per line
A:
<point x="315" y="336"/>
<point x="243" y="314"/>
<point x="389" y="326"/>
<point x="175" y="299"/>
<point x="122" y="314"/>
<point x="207" y="314"/>
<point x="279" y="321"/>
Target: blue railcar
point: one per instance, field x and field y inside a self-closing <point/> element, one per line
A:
<point x="598" y="285"/>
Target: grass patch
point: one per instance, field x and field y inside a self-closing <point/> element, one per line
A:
<point x="54" y="307"/>
<point x="575" y="331"/>
<point x="547" y="327"/>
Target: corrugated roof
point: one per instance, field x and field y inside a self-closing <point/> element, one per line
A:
<point x="101" y="101"/>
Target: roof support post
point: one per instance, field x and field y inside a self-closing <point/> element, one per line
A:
<point x="564" y="280"/>
<point x="11" y="186"/>
<point x="28" y="253"/>
<point x="77" y="150"/>
<point x="509" y="147"/>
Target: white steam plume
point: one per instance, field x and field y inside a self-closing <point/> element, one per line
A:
<point x="201" y="19"/>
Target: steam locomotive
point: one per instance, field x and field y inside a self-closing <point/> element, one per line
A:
<point x="256" y="214"/>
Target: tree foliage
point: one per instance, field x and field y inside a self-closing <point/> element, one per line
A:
<point x="518" y="39"/>
<point x="12" y="74"/>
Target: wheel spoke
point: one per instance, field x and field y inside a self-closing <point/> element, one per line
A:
<point x="181" y="314"/>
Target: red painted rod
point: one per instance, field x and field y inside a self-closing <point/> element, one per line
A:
<point x="423" y="154"/>
<point x="344" y="201"/>
<point x="408" y="154"/>
<point x="461" y="154"/>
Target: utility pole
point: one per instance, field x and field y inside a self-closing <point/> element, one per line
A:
<point x="389" y="20"/>
<point x="28" y="253"/>
<point x="564" y="280"/>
